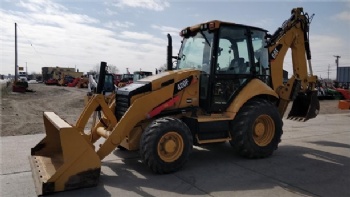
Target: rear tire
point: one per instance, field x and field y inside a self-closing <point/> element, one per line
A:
<point x="166" y="145"/>
<point x="256" y="129"/>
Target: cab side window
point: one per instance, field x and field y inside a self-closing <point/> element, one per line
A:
<point x="233" y="55"/>
<point x="225" y="56"/>
<point x="260" y="53"/>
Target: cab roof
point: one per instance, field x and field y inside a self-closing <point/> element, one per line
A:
<point x="215" y="24"/>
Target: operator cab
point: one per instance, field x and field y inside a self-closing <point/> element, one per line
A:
<point x="229" y="55"/>
<point x="140" y="75"/>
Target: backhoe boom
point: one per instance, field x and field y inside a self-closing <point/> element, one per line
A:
<point x="294" y="35"/>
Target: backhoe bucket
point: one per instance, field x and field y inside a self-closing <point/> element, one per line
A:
<point x="64" y="159"/>
<point x="305" y="106"/>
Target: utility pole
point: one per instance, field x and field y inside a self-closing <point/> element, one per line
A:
<point x="16" y="74"/>
<point x="337" y="62"/>
<point x="328" y="72"/>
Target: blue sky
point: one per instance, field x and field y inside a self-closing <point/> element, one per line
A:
<point x="132" y="33"/>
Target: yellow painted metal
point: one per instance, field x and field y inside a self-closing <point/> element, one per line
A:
<point x="213" y="117"/>
<point x="190" y="93"/>
<point x="66" y="158"/>
<point x="132" y="140"/>
<point x="63" y="160"/>
<point x="123" y="133"/>
<point x="264" y="130"/>
<point x="170" y="146"/>
<point x="101" y="131"/>
<point x="109" y="98"/>
<point x="292" y="38"/>
<point x="86" y="99"/>
<point x="212" y="140"/>
<point x="108" y="116"/>
<point x="259" y="87"/>
<point x="216" y="25"/>
<point x="136" y="113"/>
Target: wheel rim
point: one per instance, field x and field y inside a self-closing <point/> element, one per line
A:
<point x="264" y="130"/>
<point x="170" y="146"/>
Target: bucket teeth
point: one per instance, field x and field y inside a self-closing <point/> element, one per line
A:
<point x="300" y="119"/>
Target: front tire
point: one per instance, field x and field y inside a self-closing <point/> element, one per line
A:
<point x="256" y="129"/>
<point x="166" y="145"/>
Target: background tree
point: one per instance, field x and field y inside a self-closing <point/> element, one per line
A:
<point x="162" y="68"/>
<point x="96" y="69"/>
<point x="111" y="69"/>
<point x="35" y="76"/>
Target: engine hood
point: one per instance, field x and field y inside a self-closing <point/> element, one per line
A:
<point x="156" y="82"/>
<point x="168" y="77"/>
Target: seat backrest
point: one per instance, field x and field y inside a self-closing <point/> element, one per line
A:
<point x="237" y="65"/>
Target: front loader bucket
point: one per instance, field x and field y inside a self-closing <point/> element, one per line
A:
<point x="305" y="106"/>
<point x="64" y="159"/>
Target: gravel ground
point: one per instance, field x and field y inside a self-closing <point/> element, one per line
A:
<point x="21" y="114"/>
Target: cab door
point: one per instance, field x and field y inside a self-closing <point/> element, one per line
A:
<point x="232" y="68"/>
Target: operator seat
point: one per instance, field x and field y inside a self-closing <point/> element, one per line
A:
<point x="237" y="66"/>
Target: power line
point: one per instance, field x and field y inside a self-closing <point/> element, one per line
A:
<point x="31" y="44"/>
<point x="326" y="70"/>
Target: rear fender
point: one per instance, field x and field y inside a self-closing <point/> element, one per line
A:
<point x="254" y="88"/>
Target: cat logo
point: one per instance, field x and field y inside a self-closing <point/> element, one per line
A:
<point x="275" y="52"/>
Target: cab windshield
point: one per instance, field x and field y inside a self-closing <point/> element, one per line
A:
<point x="141" y="75"/>
<point x="195" y="52"/>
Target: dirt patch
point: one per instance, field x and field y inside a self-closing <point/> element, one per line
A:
<point x="21" y="114"/>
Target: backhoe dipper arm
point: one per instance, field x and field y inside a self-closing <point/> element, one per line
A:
<point x="294" y="34"/>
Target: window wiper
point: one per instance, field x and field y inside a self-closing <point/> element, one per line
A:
<point x="205" y="38"/>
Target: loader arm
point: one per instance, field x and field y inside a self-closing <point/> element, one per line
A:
<point x="137" y="112"/>
<point x="293" y="34"/>
<point x="56" y="167"/>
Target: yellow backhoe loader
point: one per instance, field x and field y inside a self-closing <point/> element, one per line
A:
<point x="227" y="85"/>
